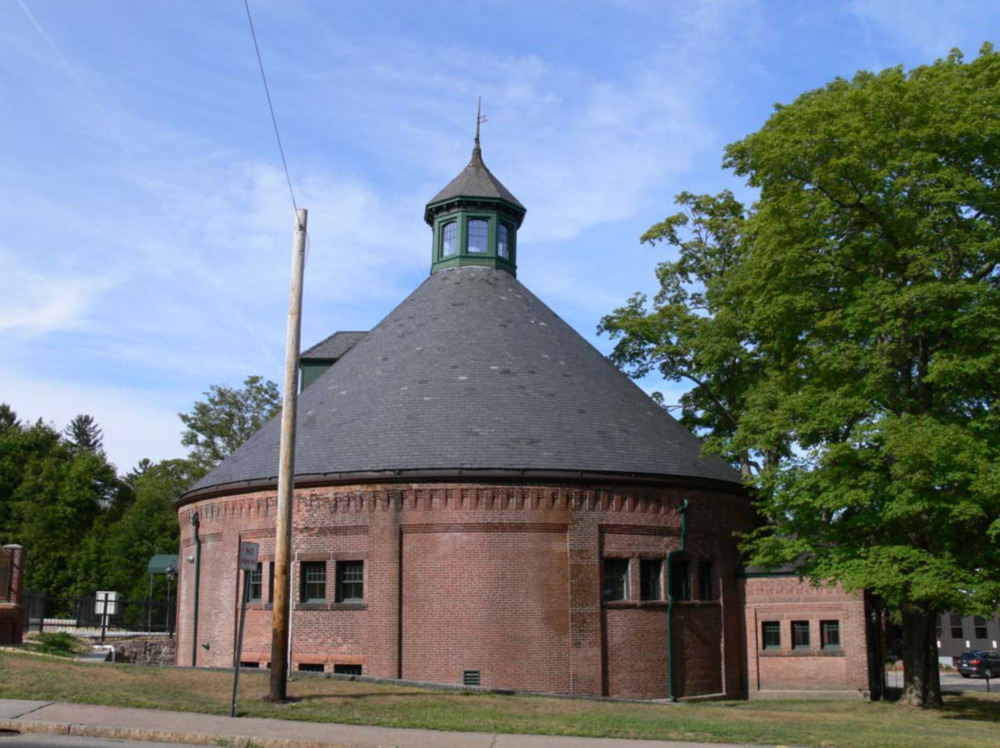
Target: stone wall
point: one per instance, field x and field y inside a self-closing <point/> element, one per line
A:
<point x="145" y="650"/>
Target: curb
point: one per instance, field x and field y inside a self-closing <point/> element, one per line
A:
<point x="164" y="736"/>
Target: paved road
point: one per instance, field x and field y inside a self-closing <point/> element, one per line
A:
<point x="955" y="682"/>
<point x="68" y="741"/>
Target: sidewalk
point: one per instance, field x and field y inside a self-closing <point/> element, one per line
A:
<point x="204" y="729"/>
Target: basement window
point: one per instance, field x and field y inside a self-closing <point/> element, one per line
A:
<point x="829" y="634"/>
<point x="615" y="579"/>
<point x="250" y="665"/>
<point x="347" y="669"/>
<point x="311" y="667"/>
<point x="771" y="634"/>
<point x="800" y="634"/>
<point x="471" y="678"/>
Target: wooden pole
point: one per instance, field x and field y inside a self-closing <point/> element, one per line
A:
<point x="286" y="471"/>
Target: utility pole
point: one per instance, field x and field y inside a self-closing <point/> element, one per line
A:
<point x="286" y="471"/>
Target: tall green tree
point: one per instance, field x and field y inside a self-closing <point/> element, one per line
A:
<point x="83" y="434"/>
<point x="226" y="418"/>
<point x="696" y="330"/>
<point x="866" y="291"/>
<point x="115" y="554"/>
<point x="875" y="275"/>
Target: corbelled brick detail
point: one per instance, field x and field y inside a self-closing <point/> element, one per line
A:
<point x="503" y="579"/>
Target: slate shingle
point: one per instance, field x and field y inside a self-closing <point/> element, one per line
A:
<point x="472" y="371"/>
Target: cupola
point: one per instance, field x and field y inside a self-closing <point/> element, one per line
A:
<point x="475" y="219"/>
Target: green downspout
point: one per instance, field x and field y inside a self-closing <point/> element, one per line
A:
<point x="670" y="601"/>
<point x="197" y="585"/>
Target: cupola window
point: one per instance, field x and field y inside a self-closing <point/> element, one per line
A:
<point x="449" y="239"/>
<point x="503" y="242"/>
<point x="479" y="234"/>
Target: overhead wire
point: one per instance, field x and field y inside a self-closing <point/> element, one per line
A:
<point x="270" y="106"/>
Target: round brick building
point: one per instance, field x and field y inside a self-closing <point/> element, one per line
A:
<point x="481" y="498"/>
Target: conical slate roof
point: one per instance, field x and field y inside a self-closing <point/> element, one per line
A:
<point x="475" y="180"/>
<point x="474" y="373"/>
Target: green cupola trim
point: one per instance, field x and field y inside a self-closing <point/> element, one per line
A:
<point x="475" y="219"/>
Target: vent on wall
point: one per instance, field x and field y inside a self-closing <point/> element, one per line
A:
<point x="470" y="678"/>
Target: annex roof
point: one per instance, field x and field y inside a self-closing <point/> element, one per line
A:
<point x="334" y="346"/>
<point x="473" y="372"/>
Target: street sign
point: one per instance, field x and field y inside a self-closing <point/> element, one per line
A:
<point x="106" y="603"/>
<point x="248" y="555"/>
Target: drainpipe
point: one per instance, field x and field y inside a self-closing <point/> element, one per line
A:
<point x="670" y="602"/>
<point x="197" y="584"/>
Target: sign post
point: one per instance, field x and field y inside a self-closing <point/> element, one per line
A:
<point x="248" y="565"/>
<point x="105" y="604"/>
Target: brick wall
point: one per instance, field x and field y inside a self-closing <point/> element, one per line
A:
<point x="11" y="612"/>
<point x="501" y="579"/>
<point x="813" y="669"/>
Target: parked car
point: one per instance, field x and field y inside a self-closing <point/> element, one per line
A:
<point x="978" y="663"/>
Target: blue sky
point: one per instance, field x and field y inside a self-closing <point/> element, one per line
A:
<point x="145" y="225"/>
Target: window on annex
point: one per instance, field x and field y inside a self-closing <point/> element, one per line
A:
<point x="270" y="582"/>
<point x="706" y="582"/>
<point x="650" y="571"/>
<point x="350" y="581"/>
<point x="503" y="241"/>
<point x="770" y="634"/>
<point x="800" y="634"/>
<point x="956" y="627"/>
<point x="479" y="236"/>
<point x="616" y="579"/>
<point x="256" y="587"/>
<point x="680" y="579"/>
<point x="313" y="581"/>
<point x="449" y="239"/>
<point x="829" y="634"/>
<point x="980" y="624"/>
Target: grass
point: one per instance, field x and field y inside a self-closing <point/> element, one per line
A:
<point x="59" y="644"/>
<point x="967" y="721"/>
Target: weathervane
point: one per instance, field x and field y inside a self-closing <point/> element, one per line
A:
<point x="480" y="118"/>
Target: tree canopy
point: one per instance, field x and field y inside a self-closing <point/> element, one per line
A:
<point x="855" y="338"/>
<point x="85" y="526"/>
<point x="226" y="418"/>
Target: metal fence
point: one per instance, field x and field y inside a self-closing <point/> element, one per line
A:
<point x="89" y="615"/>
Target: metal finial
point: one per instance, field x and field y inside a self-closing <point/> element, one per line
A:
<point x="477" y="154"/>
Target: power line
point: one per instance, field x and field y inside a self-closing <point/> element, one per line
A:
<point x="270" y="106"/>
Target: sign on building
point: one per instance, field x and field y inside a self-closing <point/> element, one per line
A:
<point x="248" y="555"/>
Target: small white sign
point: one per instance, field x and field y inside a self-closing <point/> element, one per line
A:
<point x="106" y="603"/>
<point x="248" y="555"/>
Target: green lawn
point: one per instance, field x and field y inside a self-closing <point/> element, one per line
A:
<point x="971" y="720"/>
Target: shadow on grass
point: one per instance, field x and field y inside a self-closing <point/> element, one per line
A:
<point x="972" y="707"/>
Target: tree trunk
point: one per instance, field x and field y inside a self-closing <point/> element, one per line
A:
<point x="921" y="679"/>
